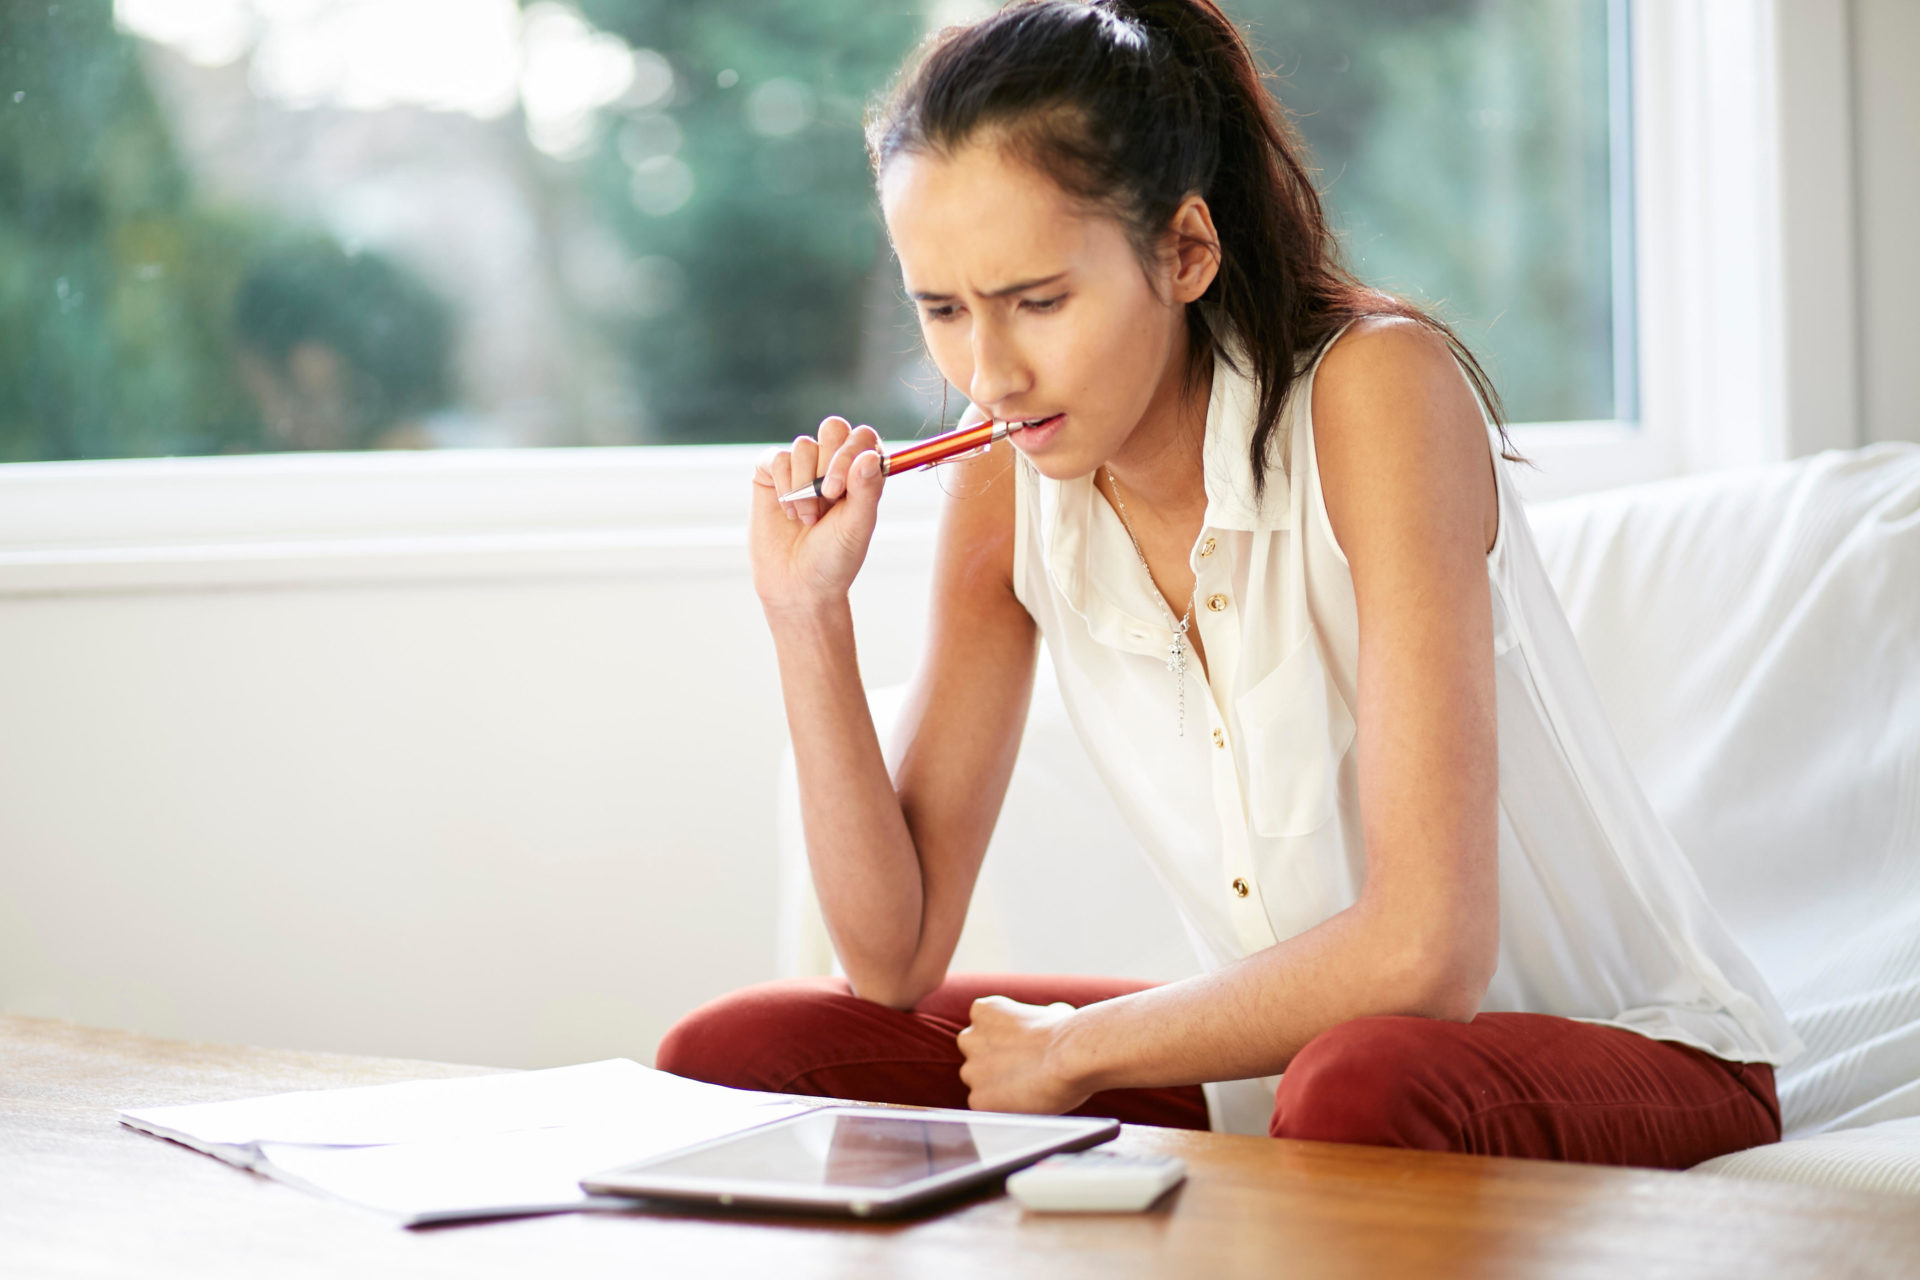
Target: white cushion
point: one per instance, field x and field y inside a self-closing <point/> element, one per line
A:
<point x="1880" y="1157"/>
<point x="1755" y="638"/>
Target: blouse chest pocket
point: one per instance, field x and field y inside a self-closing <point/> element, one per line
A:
<point x="1295" y="729"/>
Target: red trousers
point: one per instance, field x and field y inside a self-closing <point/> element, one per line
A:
<point x="1505" y="1084"/>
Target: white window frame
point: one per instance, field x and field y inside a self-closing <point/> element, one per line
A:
<point x="1743" y="324"/>
<point x="1744" y="266"/>
<point x="1748" y="272"/>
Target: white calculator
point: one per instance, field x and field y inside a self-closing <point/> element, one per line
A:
<point x="1097" y="1181"/>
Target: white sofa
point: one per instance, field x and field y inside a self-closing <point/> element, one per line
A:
<point x="1755" y="637"/>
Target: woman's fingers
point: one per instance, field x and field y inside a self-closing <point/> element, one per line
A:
<point x="832" y="434"/>
<point x="816" y="564"/>
<point x="827" y="457"/>
<point x="773" y="473"/>
<point x="811" y="456"/>
<point x="852" y="445"/>
<point x="805" y="457"/>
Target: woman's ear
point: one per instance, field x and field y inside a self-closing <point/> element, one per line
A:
<point x="1195" y="248"/>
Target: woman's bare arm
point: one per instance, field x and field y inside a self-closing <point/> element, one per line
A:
<point x="895" y="852"/>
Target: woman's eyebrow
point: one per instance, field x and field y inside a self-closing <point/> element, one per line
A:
<point x="1002" y="292"/>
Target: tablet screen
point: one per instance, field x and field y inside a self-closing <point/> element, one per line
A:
<point x="838" y="1149"/>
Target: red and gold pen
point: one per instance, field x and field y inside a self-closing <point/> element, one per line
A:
<point x="952" y="445"/>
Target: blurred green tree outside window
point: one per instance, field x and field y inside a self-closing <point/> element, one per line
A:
<point x="232" y="226"/>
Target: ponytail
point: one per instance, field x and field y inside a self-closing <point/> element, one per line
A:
<point x="1132" y="106"/>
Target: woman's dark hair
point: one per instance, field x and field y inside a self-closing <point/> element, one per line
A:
<point x="1132" y="106"/>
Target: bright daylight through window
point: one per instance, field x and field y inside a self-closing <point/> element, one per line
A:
<point x="237" y="226"/>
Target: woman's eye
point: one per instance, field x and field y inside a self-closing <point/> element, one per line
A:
<point x="940" y="313"/>
<point x="1044" y="305"/>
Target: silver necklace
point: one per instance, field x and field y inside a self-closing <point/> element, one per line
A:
<point x="1177" y="650"/>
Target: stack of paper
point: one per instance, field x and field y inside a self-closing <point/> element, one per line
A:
<point x="479" y="1147"/>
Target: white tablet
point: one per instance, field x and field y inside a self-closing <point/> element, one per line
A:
<point x="866" y="1161"/>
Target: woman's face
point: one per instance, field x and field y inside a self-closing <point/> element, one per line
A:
<point x="1033" y="307"/>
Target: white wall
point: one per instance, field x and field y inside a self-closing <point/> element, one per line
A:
<point x="1886" y="55"/>
<point x="489" y="809"/>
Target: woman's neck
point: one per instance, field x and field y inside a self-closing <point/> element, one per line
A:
<point x="1161" y="466"/>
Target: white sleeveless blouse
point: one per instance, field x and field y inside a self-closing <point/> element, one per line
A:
<point x="1252" y="818"/>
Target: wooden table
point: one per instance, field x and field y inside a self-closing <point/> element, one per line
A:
<point x="82" y="1196"/>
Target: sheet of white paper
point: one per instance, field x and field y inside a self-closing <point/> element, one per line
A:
<point x="481" y="1146"/>
<point x="530" y="1171"/>
<point x="611" y="1094"/>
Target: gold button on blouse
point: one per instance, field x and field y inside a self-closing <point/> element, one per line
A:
<point x="1219" y="739"/>
<point x="1206" y="547"/>
<point x="1240" y="889"/>
<point x="1216" y="602"/>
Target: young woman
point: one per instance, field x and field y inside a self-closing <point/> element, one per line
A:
<point x="1299" y="623"/>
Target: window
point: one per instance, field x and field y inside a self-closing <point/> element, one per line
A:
<point x="241" y="226"/>
<point x="1475" y="156"/>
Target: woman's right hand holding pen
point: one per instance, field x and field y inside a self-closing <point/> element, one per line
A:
<point x="806" y="553"/>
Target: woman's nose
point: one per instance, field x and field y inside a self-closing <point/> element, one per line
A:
<point x="998" y="371"/>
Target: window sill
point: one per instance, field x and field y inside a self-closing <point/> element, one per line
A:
<point x="1572" y="458"/>
<point x="272" y="521"/>
<point x="312" y="520"/>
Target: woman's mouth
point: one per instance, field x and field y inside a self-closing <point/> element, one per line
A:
<point x="1034" y="433"/>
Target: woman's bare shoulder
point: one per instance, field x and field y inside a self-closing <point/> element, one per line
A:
<point x="1384" y="353"/>
<point x="1398" y="432"/>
